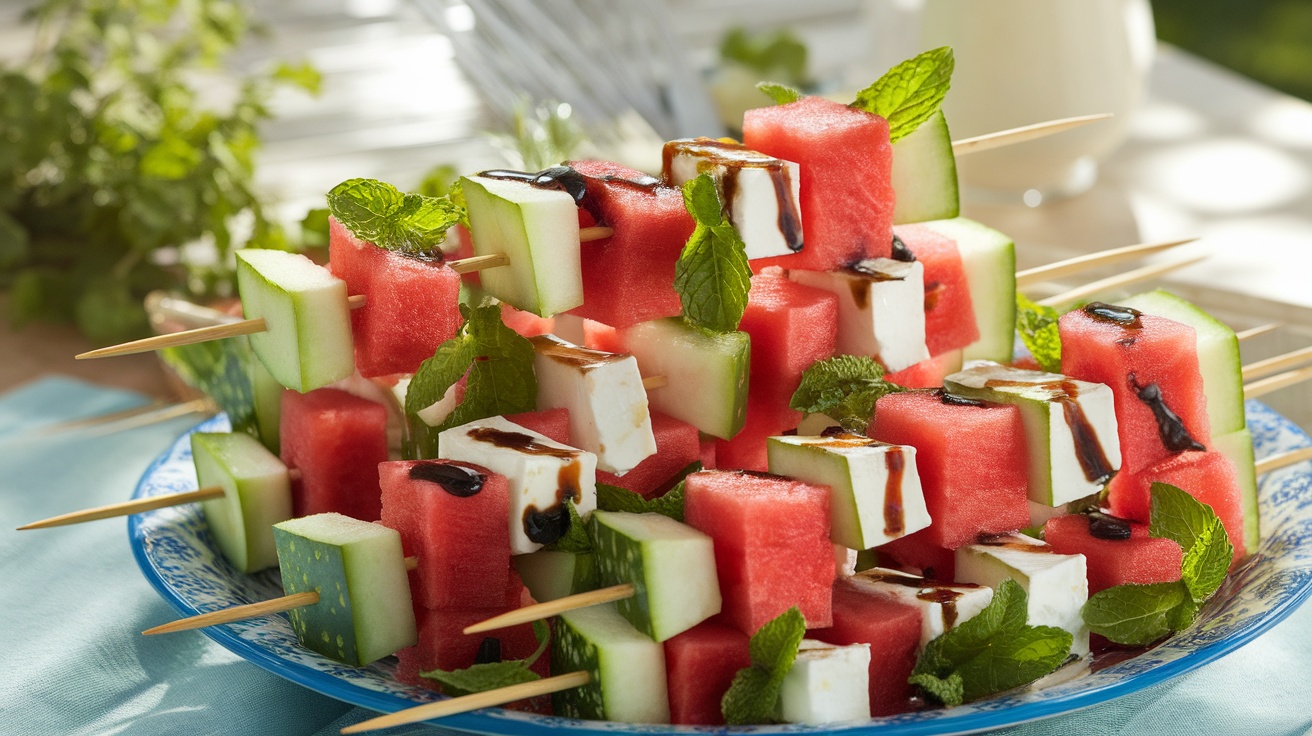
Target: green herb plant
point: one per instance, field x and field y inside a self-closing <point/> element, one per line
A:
<point x="112" y="158"/>
<point x="843" y="388"/>
<point x="753" y="697"/>
<point x="711" y="276"/>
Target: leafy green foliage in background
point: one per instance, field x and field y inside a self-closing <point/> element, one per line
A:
<point x="777" y="55"/>
<point x="110" y="160"/>
<point x="540" y="137"/>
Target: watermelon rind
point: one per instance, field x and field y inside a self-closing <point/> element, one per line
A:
<point x="989" y="258"/>
<point x="925" y="174"/>
<point x="627" y="668"/>
<point x="706" y="373"/>
<point x="550" y="574"/>
<point x="256" y="495"/>
<point x="1238" y="446"/>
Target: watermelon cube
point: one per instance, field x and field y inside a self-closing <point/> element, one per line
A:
<point x="1114" y="560"/>
<point x="629" y="277"/>
<point x="700" y="664"/>
<point x="972" y="458"/>
<point x="772" y="549"/>
<point x="443" y="645"/>
<point x="411" y="304"/>
<point x="526" y="324"/>
<point x="928" y="373"/>
<point x="336" y="440"/>
<point x="917" y="553"/>
<point x="846" y="164"/>
<point x="942" y="605"/>
<point x="677" y="446"/>
<point x="451" y="515"/>
<point x="601" y="336"/>
<point x="891" y="628"/>
<point x="1151" y="365"/>
<point x="550" y="423"/>
<point x="949" y="312"/>
<point x="709" y="452"/>
<point x="747" y="451"/>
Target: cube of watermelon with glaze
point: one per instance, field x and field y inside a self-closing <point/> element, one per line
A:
<point x="442" y="644"/>
<point x="891" y="628"/>
<point x="972" y="458"/>
<point x="772" y="549"/>
<point x="949" y="310"/>
<point x="1115" y="560"/>
<point x="440" y="507"/>
<point x="700" y="665"/>
<point x="846" y="164"/>
<point x="336" y="440"/>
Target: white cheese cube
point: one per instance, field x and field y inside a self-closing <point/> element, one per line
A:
<point x="875" y="489"/>
<point x="827" y="684"/>
<point x="542" y="475"/>
<point x="881" y="309"/>
<point x="759" y="192"/>
<point x="1057" y="585"/>
<point x="942" y="605"/>
<point x="603" y="392"/>
<point x="1070" y="426"/>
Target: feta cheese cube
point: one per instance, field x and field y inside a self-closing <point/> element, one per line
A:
<point x="942" y="605"/>
<point x="827" y="684"/>
<point x="881" y="309"/>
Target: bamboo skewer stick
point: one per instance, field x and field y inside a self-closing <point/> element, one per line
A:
<point x="540" y="611"/>
<point x="1283" y="460"/>
<point x="653" y="382"/>
<point x="156" y="411"/>
<point x="135" y="506"/>
<point x="1113" y="282"/>
<point x="1269" y="366"/>
<point x="1275" y="383"/>
<point x="466" y="703"/>
<point x="1253" y="332"/>
<point x="1024" y="133"/>
<point x="1031" y="276"/>
<point x="237" y="613"/>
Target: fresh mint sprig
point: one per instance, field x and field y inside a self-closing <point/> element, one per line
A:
<point x="754" y="695"/>
<point x="379" y="213"/>
<point x="711" y="276"/>
<point x="576" y="539"/>
<point x="909" y="93"/>
<point x="614" y="498"/>
<point x="844" y="388"/>
<point x="1037" y="326"/>
<point x="782" y="94"/>
<point x="492" y="675"/>
<point x="994" y="650"/>
<point x="1137" y="614"/>
<point x="499" y="365"/>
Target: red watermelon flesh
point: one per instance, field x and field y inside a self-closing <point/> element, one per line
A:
<point x="928" y="373"/>
<point x="336" y="441"/>
<point x="1112" y="562"/>
<point x="526" y="324"/>
<point x="974" y="468"/>
<point x="949" y="311"/>
<point x="765" y="418"/>
<point x="1208" y="476"/>
<point x="708" y="452"/>
<point x="1131" y="359"/>
<point x="700" y="664"/>
<point x="411" y="305"/>
<point x="677" y="446"/>
<point x="603" y="337"/>
<point x="917" y="552"/>
<point x="551" y="423"/>
<point x="629" y="277"/>
<point x="846" y="164"/>
<point x="772" y="549"/>
<point x="892" y="630"/>
<point x="458" y="539"/>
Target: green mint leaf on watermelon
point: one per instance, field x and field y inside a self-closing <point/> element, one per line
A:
<point x="482" y="677"/>
<point x="754" y="695"/>
<point x="909" y="93"/>
<point x="614" y="498"/>
<point x="711" y="275"/>
<point x="1134" y="614"/>
<point x="379" y="213"/>
<point x="1037" y="326"/>
<point x="576" y="539"/>
<point x="993" y="651"/>
<point x="782" y="94"/>
<point x="1192" y="524"/>
<point x="497" y="364"/>
<point x="844" y="388"/>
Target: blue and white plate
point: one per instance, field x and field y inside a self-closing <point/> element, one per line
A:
<point x="177" y="555"/>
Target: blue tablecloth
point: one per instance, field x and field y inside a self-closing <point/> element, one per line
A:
<point x="74" y="604"/>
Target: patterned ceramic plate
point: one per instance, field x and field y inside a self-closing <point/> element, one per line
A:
<point x="176" y="554"/>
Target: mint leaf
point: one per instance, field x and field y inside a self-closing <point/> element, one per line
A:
<point x="754" y="695"/>
<point x="1037" y="326"/>
<point x="712" y="275"/>
<point x="381" y="214"/>
<point x="314" y="228"/>
<point x="1182" y="616"/>
<point x="994" y="650"/>
<point x="845" y="388"/>
<point x="614" y="498"/>
<point x="499" y="365"/>
<point x="1192" y="524"/>
<point x="575" y="540"/>
<point x="909" y="93"/>
<point x="782" y="94"/>
<point x="1206" y="563"/>
<point x="482" y="677"/>
<point x="1134" y="614"/>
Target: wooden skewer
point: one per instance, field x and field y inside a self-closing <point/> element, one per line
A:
<point x="157" y="411"/>
<point x="1070" y="266"/>
<point x="412" y="563"/>
<point x="1275" y="383"/>
<point x="651" y="382"/>
<point x="135" y="506"/>
<point x="1283" y="460"/>
<point x="1259" y="330"/>
<point x="1024" y="133"/>
<point x="237" y="613"/>
<point x="1113" y="282"/>
<point x="466" y="703"/>
<point x="552" y="608"/>
<point x="1269" y="366"/>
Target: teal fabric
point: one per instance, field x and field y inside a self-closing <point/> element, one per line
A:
<point x="74" y="604"/>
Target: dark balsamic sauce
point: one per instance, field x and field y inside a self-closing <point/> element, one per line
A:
<point x="934" y="291"/>
<point x="519" y="441"/>
<point x="1005" y="541"/>
<point x="1103" y="526"/>
<point x="545" y="526"/>
<point x="901" y="252"/>
<point x="457" y="480"/>
<point x="894" y="517"/>
<point x="572" y="355"/>
<point x="557" y="178"/>
<point x="1170" y="428"/>
<point x="951" y="399"/>
<point x="1088" y="450"/>
<point x="944" y="595"/>
<point x="865" y="273"/>
<point x="489" y="651"/>
<point x="1123" y="316"/>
